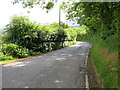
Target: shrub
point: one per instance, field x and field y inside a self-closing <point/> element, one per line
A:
<point x="24" y="33"/>
<point x="70" y="34"/>
<point x="80" y="31"/>
<point x="62" y="24"/>
<point x="5" y="57"/>
<point x="20" y="31"/>
<point x="14" y="50"/>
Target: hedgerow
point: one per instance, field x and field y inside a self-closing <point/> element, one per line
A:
<point x="14" y="50"/>
<point x="23" y="37"/>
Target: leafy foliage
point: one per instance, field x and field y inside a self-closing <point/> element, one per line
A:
<point x="49" y="5"/>
<point x="102" y="21"/>
<point x="23" y="37"/>
<point x="14" y="50"/>
<point x="63" y="25"/>
<point x="100" y="18"/>
<point x="5" y="57"/>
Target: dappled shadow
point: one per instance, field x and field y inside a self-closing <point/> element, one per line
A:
<point x="15" y="64"/>
<point x="57" y="55"/>
<point x="53" y="68"/>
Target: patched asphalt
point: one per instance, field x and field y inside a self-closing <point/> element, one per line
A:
<point x="63" y="68"/>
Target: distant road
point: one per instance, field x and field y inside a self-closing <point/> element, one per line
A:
<point x="63" y="68"/>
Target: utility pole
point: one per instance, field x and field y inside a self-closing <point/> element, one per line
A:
<point x="59" y="15"/>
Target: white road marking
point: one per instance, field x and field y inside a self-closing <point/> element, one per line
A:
<point x="87" y="83"/>
<point x="86" y="76"/>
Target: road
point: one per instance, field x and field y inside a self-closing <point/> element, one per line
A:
<point x="63" y="68"/>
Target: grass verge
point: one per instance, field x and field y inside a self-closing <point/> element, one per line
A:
<point x="8" y="61"/>
<point x="106" y="64"/>
<point x="104" y="56"/>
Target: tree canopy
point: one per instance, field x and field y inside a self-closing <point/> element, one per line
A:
<point x="100" y="17"/>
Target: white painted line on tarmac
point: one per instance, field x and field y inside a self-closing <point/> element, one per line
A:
<point x="86" y="82"/>
<point x="86" y="76"/>
<point x="86" y="59"/>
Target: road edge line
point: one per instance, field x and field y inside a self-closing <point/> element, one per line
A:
<point x="86" y="76"/>
<point x="86" y="82"/>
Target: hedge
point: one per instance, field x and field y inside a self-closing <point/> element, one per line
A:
<point x="38" y="38"/>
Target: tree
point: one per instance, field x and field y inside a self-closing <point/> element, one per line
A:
<point x="100" y="16"/>
<point x="45" y="4"/>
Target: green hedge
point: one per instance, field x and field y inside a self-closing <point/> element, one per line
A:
<point x="14" y="50"/>
<point x="23" y="36"/>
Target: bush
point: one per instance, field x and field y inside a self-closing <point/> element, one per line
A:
<point x="20" y="31"/>
<point x="80" y="31"/>
<point x="71" y="34"/>
<point x="5" y="57"/>
<point x="14" y="50"/>
<point x="24" y="33"/>
<point x="62" y="24"/>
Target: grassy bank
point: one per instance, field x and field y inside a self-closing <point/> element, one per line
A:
<point x="102" y="24"/>
<point x="105" y="61"/>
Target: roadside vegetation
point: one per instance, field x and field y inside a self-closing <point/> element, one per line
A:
<point x="22" y="38"/>
<point x="104" y="59"/>
<point x="101" y="20"/>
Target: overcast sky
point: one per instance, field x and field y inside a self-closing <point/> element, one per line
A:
<point x="7" y="9"/>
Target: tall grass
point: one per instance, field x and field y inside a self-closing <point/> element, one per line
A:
<point x="104" y="55"/>
<point x="106" y="65"/>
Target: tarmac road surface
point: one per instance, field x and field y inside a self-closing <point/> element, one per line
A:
<point x="63" y="68"/>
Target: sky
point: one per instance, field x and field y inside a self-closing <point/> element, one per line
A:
<point x="7" y="10"/>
